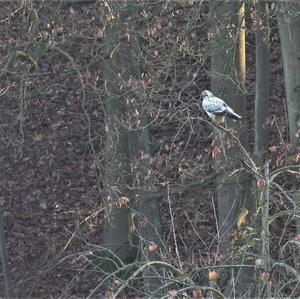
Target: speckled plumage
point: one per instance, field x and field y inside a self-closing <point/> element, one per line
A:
<point x="216" y="108"/>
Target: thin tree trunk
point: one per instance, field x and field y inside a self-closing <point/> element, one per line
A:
<point x="261" y="132"/>
<point x="289" y="27"/>
<point x="262" y="81"/>
<point x="4" y="260"/>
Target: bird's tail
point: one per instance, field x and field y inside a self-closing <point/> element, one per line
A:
<point x="233" y="115"/>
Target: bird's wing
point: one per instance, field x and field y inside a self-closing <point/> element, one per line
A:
<point x="214" y="105"/>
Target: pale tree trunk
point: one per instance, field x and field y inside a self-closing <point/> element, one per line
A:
<point x="228" y="71"/>
<point x="262" y="81"/>
<point x="289" y="27"/>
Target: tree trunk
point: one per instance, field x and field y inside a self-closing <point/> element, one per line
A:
<point x="227" y="81"/>
<point x="228" y="69"/>
<point x="149" y="219"/>
<point x="261" y="132"/>
<point x="117" y="179"/>
<point x="130" y="153"/>
<point x="147" y="205"/>
<point x="262" y="81"/>
<point x="289" y="27"/>
<point x="118" y="71"/>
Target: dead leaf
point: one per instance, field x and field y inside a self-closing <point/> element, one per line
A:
<point x="273" y="148"/>
<point x="215" y="151"/>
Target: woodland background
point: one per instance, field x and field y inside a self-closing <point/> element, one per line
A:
<point x="108" y="160"/>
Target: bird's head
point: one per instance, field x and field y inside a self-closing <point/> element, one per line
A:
<point x="206" y="93"/>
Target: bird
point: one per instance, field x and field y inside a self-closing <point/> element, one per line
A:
<point x="216" y="108"/>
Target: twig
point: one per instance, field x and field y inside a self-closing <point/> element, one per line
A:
<point x="12" y="59"/>
<point x="223" y="267"/>
<point x="164" y="265"/>
<point x="173" y="229"/>
<point x="290" y="242"/>
<point x="204" y="288"/>
<point x="289" y="198"/>
<point x="246" y="156"/>
<point x="276" y="172"/>
<point x="287" y="268"/>
<point x="63" y="3"/>
<point x="184" y="188"/>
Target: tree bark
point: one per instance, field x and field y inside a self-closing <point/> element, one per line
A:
<point x="149" y="218"/>
<point x="117" y="178"/>
<point x="227" y="81"/>
<point x="130" y="153"/>
<point x="289" y="28"/>
<point x="262" y="81"/>
<point x="146" y="203"/>
<point x="118" y="172"/>
<point x="228" y="75"/>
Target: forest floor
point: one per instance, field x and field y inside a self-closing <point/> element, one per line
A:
<point x="50" y="192"/>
